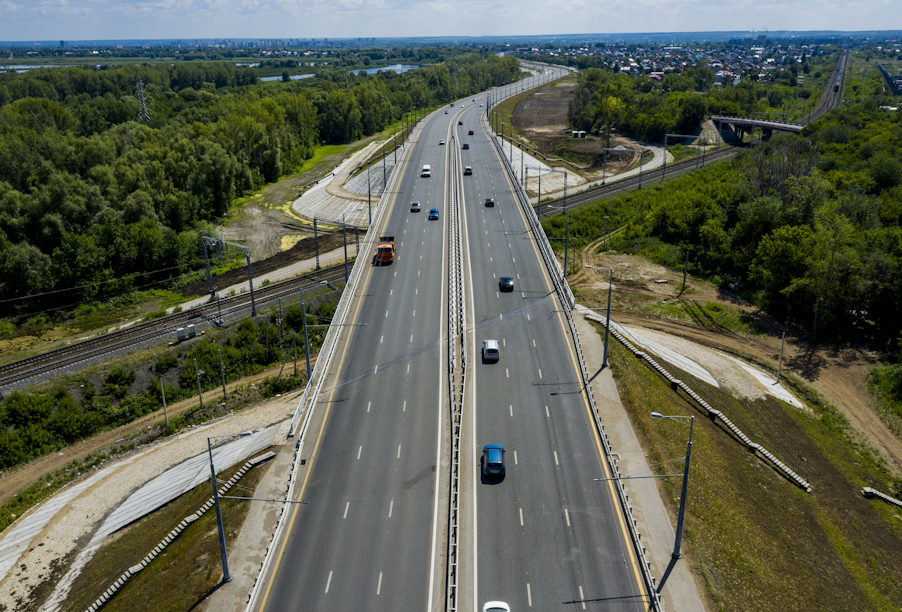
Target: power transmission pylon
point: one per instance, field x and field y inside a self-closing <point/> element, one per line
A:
<point x="143" y="113"/>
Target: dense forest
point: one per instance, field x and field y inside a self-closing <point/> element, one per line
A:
<point x="646" y="109"/>
<point x="92" y="201"/>
<point x="809" y="227"/>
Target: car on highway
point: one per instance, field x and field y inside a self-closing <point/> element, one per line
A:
<point x="460" y="123"/>
<point x="466" y="146"/>
<point x="496" y="606"/>
<point x="470" y="132"/>
<point x="468" y="171"/>
<point x="493" y="461"/>
<point x="433" y="214"/>
<point x="446" y="112"/>
<point x="490" y="201"/>
<point x="490" y="350"/>
<point x="506" y="283"/>
<point x="442" y="141"/>
<point x="415" y="206"/>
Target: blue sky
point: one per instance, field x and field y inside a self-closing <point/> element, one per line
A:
<point x="141" y="19"/>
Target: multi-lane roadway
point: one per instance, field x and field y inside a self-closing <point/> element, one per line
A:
<point x="373" y="536"/>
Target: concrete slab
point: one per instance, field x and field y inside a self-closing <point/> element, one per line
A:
<point x="681" y="593"/>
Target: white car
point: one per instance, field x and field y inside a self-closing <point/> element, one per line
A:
<point x="441" y="142"/>
<point x="496" y="606"/>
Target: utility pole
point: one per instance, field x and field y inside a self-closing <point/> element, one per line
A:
<point x="316" y="242"/>
<point x="306" y="339"/>
<point x="197" y="375"/>
<point x="567" y="240"/>
<point x="163" y="394"/>
<point x="222" y="373"/>
<point x="344" y="232"/>
<point x="779" y="367"/>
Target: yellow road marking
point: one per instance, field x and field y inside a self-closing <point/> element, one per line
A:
<point x="300" y="495"/>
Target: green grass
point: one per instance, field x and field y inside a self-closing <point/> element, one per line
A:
<point x="760" y="542"/>
<point x="191" y="561"/>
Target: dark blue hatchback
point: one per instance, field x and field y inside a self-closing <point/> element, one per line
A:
<point x="493" y="460"/>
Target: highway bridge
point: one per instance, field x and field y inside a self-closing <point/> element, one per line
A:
<point x="391" y="524"/>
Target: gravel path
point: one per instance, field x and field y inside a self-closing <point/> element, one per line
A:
<point x="82" y="516"/>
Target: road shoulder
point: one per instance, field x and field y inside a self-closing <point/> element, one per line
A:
<point x="681" y="592"/>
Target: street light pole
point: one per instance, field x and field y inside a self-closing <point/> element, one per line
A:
<point x="198" y="374"/>
<point x="226" y="575"/>
<point x="679" y="531"/>
<point x="567" y="240"/>
<point x="607" y="326"/>
<point x="344" y="232"/>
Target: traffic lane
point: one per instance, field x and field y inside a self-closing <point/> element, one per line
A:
<point x="574" y="439"/>
<point x="371" y="504"/>
<point x="523" y="540"/>
<point x="511" y="410"/>
<point x="526" y="329"/>
<point x="336" y="478"/>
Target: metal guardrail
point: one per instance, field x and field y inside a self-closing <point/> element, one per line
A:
<point x="457" y="370"/>
<point x="741" y="435"/>
<point x="566" y="296"/>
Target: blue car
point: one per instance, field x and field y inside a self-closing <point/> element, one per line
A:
<point x="433" y="214"/>
<point x="493" y="461"/>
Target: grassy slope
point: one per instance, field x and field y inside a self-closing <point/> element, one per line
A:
<point x="761" y="542"/>
<point x="191" y="561"/>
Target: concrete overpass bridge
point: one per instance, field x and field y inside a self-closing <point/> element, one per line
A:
<point x="767" y="126"/>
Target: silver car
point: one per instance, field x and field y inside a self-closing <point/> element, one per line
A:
<point x="490" y="350"/>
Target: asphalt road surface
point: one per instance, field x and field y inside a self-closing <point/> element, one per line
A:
<point x="374" y="533"/>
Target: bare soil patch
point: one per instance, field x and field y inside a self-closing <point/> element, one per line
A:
<point x="540" y="118"/>
<point x="840" y="375"/>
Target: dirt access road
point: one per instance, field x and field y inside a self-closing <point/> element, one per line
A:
<point x="839" y="375"/>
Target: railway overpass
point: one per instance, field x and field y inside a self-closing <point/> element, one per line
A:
<point x="767" y="126"/>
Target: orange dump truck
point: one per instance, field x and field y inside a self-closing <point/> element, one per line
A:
<point x="385" y="251"/>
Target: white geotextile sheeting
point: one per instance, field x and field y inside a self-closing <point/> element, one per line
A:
<point x="19" y="537"/>
<point x="770" y="386"/>
<point x="180" y="479"/>
<point x="670" y="356"/>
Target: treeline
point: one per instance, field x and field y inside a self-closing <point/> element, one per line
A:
<point x="33" y="424"/>
<point x="809" y="228"/>
<point x="605" y="102"/>
<point x="92" y="200"/>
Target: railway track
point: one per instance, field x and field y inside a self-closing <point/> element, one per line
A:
<point x="831" y="100"/>
<point x="18" y="374"/>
